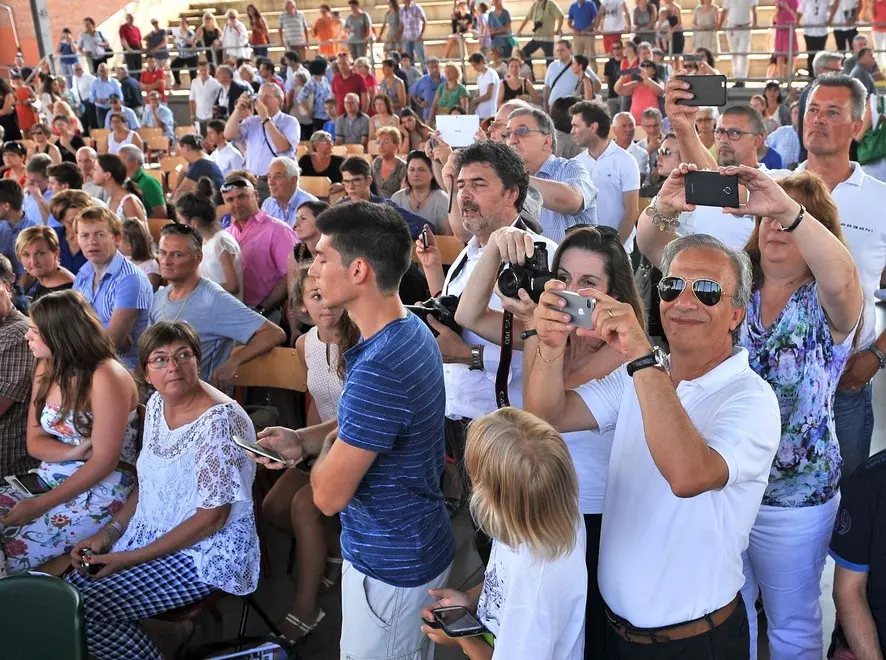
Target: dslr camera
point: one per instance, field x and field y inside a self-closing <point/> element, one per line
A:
<point x="442" y="308"/>
<point x="537" y="25"/>
<point x="531" y="276"/>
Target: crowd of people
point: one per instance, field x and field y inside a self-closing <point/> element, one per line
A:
<point x="648" y="409"/>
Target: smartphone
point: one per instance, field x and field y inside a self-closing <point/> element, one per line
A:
<point x="424" y="238"/>
<point x="630" y="72"/>
<point x="711" y="189"/>
<point x="257" y="449"/>
<point x="28" y="484"/>
<point x="692" y="57"/>
<point x="580" y="308"/>
<point x="708" y="90"/>
<point x="458" y="622"/>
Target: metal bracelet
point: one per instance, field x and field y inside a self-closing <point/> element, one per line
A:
<point x="660" y="221"/>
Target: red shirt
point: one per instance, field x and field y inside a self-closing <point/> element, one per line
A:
<point x="340" y="87"/>
<point x="149" y="77"/>
<point x="131" y="35"/>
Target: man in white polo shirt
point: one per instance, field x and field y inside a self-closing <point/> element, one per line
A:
<point x="204" y="91"/>
<point x="834" y="113"/>
<point x="613" y="170"/>
<point x="695" y="435"/>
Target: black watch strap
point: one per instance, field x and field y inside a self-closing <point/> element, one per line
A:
<point x="656" y="358"/>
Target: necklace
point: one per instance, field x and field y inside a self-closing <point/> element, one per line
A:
<point x="180" y="309"/>
<point x="417" y="202"/>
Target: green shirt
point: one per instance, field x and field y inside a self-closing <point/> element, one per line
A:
<point x="151" y="190"/>
<point x="548" y="13"/>
<point x="449" y="98"/>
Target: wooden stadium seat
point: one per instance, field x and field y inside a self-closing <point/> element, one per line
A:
<point x="303" y="149"/>
<point x="342" y="150"/>
<point x="355" y="149"/>
<point x="185" y="130"/>
<point x="450" y="247"/>
<point x="373" y="147"/>
<point x="157" y="144"/>
<point x="148" y="133"/>
<point x="281" y="368"/>
<point x="170" y="163"/>
<point x="99" y="134"/>
<point x="318" y="186"/>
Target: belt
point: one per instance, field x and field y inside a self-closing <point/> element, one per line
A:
<point x="671" y="633"/>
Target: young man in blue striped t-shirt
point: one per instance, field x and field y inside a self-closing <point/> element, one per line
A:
<point x="381" y="468"/>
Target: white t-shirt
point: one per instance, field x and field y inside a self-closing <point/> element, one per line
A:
<point x="739" y="12"/>
<point x="204" y="95"/>
<point x="228" y="159"/>
<point x="614" y="16"/>
<point x="535" y="608"/>
<point x="590" y="451"/>
<point x="663" y="559"/>
<point x="211" y="267"/>
<point x="614" y="173"/>
<point x="860" y="203"/>
<point x="488" y="108"/>
<point x="815" y="13"/>
<point x="641" y="156"/>
<point x="844" y="11"/>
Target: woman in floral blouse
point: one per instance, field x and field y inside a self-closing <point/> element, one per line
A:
<point x="803" y="316"/>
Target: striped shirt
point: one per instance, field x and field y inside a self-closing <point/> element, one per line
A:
<point x="573" y="173"/>
<point x="16" y="375"/>
<point x="123" y="286"/>
<point x="294" y="28"/>
<point x="396" y="529"/>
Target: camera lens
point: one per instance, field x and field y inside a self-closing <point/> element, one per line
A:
<point x="509" y="283"/>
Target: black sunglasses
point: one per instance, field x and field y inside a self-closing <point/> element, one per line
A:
<point x="708" y="292"/>
<point x="234" y="184"/>
<point x="180" y="229"/>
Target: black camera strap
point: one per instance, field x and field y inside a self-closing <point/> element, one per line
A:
<point x="507" y="349"/>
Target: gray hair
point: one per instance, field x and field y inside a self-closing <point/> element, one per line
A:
<point x="823" y="58"/>
<point x="858" y="38"/>
<point x="741" y="263"/>
<point x="711" y="110"/>
<point x="432" y="60"/>
<point x="651" y="113"/>
<point x="226" y="68"/>
<point x="132" y="153"/>
<point x="624" y="115"/>
<point x="514" y="104"/>
<point x="856" y="89"/>
<point x="292" y="168"/>
<point x="92" y="152"/>
<point x="274" y="87"/>
<point x="644" y="44"/>
<point x="542" y="119"/>
<point x="320" y="136"/>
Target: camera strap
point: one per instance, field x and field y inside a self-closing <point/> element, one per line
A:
<point x="504" y="361"/>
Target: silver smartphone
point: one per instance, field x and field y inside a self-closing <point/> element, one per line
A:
<point x="257" y="449"/>
<point x="580" y="308"/>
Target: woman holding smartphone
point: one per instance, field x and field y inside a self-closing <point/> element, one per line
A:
<point x="587" y="257"/>
<point x="188" y="529"/>
<point x="532" y="600"/>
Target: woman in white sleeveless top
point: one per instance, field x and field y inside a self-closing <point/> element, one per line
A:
<point x="120" y="135"/>
<point x="290" y="504"/>
<point x="124" y="196"/>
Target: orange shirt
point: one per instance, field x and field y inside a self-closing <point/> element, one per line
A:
<point x="325" y="29"/>
<point x="27" y="116"/>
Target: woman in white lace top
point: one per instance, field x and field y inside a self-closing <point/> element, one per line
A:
<point x="189" y="528"/>
<point x="290" y="504"/>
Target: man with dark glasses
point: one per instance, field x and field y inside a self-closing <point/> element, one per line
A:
<point x="265" y="242"/>
<point x="695" y="435"/>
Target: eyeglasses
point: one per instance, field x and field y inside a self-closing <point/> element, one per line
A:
<point x="357" y="180"/>
<point x="521" y="132"/>
<point x="707" y="292"/>
<point x="234" y="184"/>
<point x="732" y="133"/>
<point x="184" y="356"/>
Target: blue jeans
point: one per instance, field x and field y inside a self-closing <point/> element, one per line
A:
<point x="415" y="49"/>
<point x="854" y="419"/>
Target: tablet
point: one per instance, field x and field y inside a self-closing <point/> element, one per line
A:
<point x="458" y="130"/>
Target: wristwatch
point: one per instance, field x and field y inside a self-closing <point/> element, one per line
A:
<point x="476" y="358"/>
<point x="881" y="356"/>
<point x="657" y="358"/>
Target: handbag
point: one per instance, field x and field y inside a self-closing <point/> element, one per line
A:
<point x="873" y="144"/>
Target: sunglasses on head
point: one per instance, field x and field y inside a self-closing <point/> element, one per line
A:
<point x="236" y="184"/>
<point x="605" y="232"/>
<point x="664" y="151"/>
<point x="707" y="292"/>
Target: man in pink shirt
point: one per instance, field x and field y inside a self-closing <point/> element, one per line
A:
<point x="265" y="245"/>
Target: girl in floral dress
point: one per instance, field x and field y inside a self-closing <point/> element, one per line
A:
<point x="81" y="426"/>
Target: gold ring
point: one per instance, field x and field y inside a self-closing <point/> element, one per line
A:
<point x="610" y="312"/>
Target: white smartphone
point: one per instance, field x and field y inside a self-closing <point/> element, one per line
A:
<point x="580" y="308"/>
<point x="257" y="449"/>
<point x="28" y="484"/>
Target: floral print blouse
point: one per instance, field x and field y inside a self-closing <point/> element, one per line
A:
<point x="798" y="357"/>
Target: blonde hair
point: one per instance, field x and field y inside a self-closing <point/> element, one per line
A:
<point x="34" y="234"/>
<point x="362" y="61"/>
<point x="454" y="68"/>
<point x="525" y="490"/>
<point x="391" y="132"/>
<point x="99" y="214"/>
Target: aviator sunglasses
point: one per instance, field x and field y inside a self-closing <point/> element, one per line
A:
<point x="708" y="292"/>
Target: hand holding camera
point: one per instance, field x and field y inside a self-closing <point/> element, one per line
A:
<point x="244" y="104"/>
<point x="82" y="553"/>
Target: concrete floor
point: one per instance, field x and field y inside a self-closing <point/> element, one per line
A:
<point x="276" y="590"/>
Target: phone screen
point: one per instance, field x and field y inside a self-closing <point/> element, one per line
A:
<point x="33" y="483"/>
<point x="457" y="620"/>
<point x="256" y="448"/>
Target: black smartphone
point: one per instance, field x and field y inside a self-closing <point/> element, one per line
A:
<point x="458" y="622"/>
<point x="630" y="72"/>
<point x="28" y="484"/>
<point x="707" y="90"/>
<point x="424" y="238"/>
<point x="692" y="57"/>
<point x="711" y="189"/>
